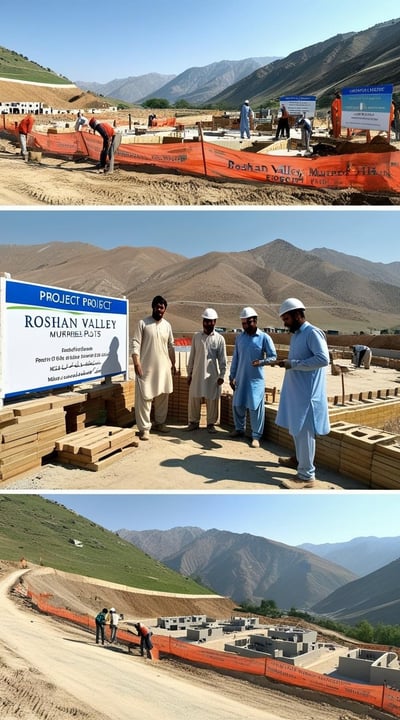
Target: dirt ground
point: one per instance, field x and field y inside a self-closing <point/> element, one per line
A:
<point x="182" y="461"/>
<point x="50" y="669"/>
<point x="59" y="182"/>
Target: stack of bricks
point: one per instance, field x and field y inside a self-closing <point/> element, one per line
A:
<point x="28" y="432"/>
<point x="357" y="449"/>
<point x="178" y="400"/>
<point x="328" y="447"/>
<point x="385" y="466"/>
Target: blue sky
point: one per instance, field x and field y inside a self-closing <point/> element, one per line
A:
<point x="97" y="41"/>
<point x="292" y="519"/>
<point x="368" y="233"/>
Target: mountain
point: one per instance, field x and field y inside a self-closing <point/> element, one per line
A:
<point x="337" y="297"/>
<point x="370" y="57"/>
<point x="247" y="567"/>
<point x="160" y="543"/>
<point x="374" y="597"/>
<point x="361" y="555"/>
<point x="379" y="272"/>
<point x="197" y="85"/>
<point x="130" y="89"/>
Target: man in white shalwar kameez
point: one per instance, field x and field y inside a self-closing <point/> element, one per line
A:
<point x="206" y="372"/>
<point x="303" y="405"/>
<point x="153" y="359"/>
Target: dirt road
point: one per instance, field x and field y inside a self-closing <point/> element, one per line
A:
<point x="49" y="670"/>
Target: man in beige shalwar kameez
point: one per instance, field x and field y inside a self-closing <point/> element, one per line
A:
<point x="206" y="371"/>
<point x="153" y="359"/>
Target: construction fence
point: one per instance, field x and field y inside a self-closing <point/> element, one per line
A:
<point x="369" y="172"/>
<point x="379" y="696"/>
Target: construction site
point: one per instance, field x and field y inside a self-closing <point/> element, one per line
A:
<point x="86" y="438"/>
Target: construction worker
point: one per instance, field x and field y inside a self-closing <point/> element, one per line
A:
<point x="24" y="128"/>
<point x="336" y="115"/>
<point x="206" y="371"/>
<point x="303" y="405"/>
<point x="282" y="128"/>
<point x="246" y="115"/>
<point x="362" y="355"/>
<point x="306" y="131"/>
<point x="107" y="132"/>
<point x="145" y="639"/>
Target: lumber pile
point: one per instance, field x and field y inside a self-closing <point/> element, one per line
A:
<point x="107" y="402"/>
<point x="28" y="431"/>
<point x="95" y="447"/>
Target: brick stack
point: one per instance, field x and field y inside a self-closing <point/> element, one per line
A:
<point x="357" y="449"/>
<point x="385" y="466"/>
<point x="178" y="400"/>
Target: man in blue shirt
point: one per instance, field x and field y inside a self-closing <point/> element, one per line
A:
<point x="303" y="405"/>
<point x="253" y="349"/>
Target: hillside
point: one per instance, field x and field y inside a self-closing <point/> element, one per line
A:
<point x="247" y="567"/>
<point x="369" y="57"/>
<point x="15" y="66"/>
<point x="337" y="298"/>
<point x="41" y="531"/>
<point x="374" y="597"/>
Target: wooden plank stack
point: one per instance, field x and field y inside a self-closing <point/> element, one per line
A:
<point x="95" y="447"/>
<point x="28" y="431"/>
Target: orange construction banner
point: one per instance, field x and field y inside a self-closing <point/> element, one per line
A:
<point x="368" y="172"/>
<point x="292" y="675"/>
<point x="362" y="171"/>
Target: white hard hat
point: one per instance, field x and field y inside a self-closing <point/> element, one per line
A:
<point x="112" y="609"/>
<point x="248" y="312"/>
<point x="210" y="314"/>
<point x="290" y="304"/>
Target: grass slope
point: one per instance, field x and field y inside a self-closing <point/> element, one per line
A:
<point x="40" y="531"/>
<point x="15" y="66"/>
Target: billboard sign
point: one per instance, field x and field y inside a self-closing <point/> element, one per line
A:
<point x="53" y="337"/>
<point x="299" y="104"/>
<point x="367" y="108"/>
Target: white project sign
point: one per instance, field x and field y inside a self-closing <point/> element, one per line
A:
<point x="367" y="108"/>
<point x="52" y="337"/>
<point x="299" y="104"/>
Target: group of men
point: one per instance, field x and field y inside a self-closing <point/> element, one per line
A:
<point x="303" y="407"/>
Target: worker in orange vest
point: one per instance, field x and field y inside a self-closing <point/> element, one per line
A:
<point x="24" y="128"/>
<point x="145" y="639"/>
<point x="107" y="132"/>
<point x="336" y="115"/>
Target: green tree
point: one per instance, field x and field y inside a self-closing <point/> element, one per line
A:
<point x="182" y="103"/>
<point x="365" y="631"/>
<point x="156" y="103"/>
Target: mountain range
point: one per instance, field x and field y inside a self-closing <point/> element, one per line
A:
<point x="362" y="555"/>
<point x="369" y="57"/>
<point x="248" y="567"/>
<point x="196" y="85"/>
<point x="243" y="566"/>
<point x="342" y="293"/>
